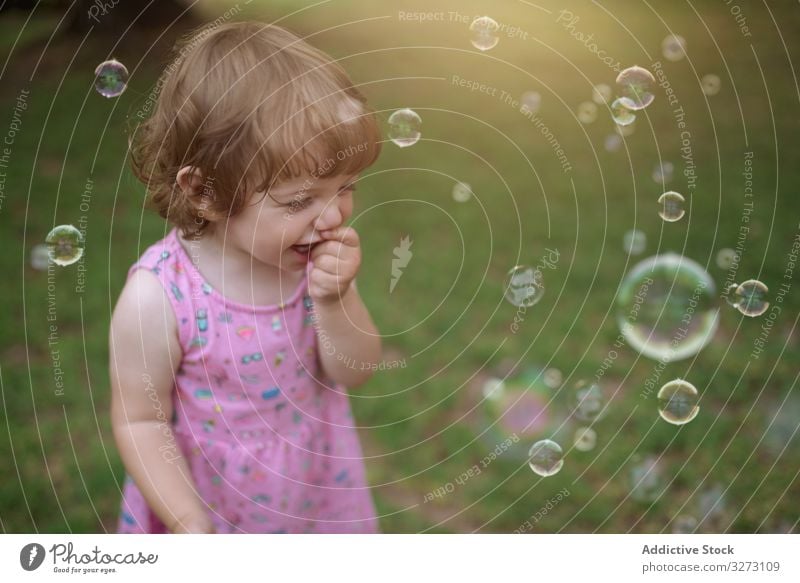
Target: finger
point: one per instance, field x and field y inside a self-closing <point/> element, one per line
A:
<point x="346" y="235"/>
<point x="327" y="263"/>
<point x="332" y="248"/>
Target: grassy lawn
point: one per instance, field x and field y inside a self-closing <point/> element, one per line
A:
<point x="447" y="316"/>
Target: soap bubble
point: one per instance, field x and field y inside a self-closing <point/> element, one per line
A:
<point x="65" y="244"/>
<point x="677" y="402"/>
<point x="711" y="84"/>
<point x="587" y="112"/>
<point x="662" y="172"/>
<point x="666" y="307"/>
<point x="613" y="142"/>
<point x="530" y="102"/>
<point x="484" y="33"/>
<point x="645" y="478"/>
<point x="671" y="206"/>
<point x="404" y="127"/>
<point x="684" y="524"/>
<point x="621" y="114"/>
<point x="726" y="258"/>
<point x="585" y="439"/>
<point x="636" y="85"/>
<point x="750" y="298"/>
<point x="601" y="93"/>
<point x="587" y="401"/>
<point x="524" y="286"/>
<point x="546" y="457"/>
<point x="552" y="377"/>
<point x="462" y="192"/>
<point x="730" y="295"/>
<point x="111" y="78"/>
<point x="40" y="257"/>
<point x="493" y="388"/>
<point x="673" y="47"/>
<point x="634" y="242"/>
<point x="625" y="131"/>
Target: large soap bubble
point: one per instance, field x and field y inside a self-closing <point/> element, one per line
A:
<point x="666" y="307"/>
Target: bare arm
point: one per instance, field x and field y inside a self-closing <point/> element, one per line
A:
<point x="144" y="354"/>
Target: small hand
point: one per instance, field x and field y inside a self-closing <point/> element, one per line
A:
<point x="336" y="261"/>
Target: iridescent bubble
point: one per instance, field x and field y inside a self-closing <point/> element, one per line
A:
<point x="601" y="94"/>
<point x="587" y="112"/>
<point x="111" y="78"/>
<point x="587" y="401"/>
<point x="662" y="172"/>
<point x="404" y="127"/>
<point x="634" y="242"/>
<point x="552" y="377"/>
<point x="711" y="84"/>
<point x="677" y="402"/>
<point x="673" y="47"/>
<point x="515" y="404"/>
<point x="671" y="206"/>
<point x="645" y="478"/>
<point x="493" y="388"/>
<point x="65" y="244"/>
<point x="524" y="286"/>
<point x="613" y="142"/>
<point x="484" y="33"/>
<point x="625" y="131"/>
<point x="730" y="295"/>
<point x="684" y="524"/>
<point x="636" y="86"/>
<point x="462" y="192"/>
<point x="40" y="257"/>
<point x="751" y="298"/>
<point x="585" y="439"/>
<point x="726" y="258"/>
<point x="546" y="457"/>
<point x="621" y="114"/>
<point x="530" y="102"/>
<point x="666" y="307"/>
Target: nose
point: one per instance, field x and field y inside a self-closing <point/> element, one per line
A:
<point x="330" y="218"/>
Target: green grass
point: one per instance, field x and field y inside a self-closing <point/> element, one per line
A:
<point x="443" y="302"/>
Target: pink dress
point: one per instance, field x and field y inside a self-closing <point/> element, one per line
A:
<point x="271" y="445"/>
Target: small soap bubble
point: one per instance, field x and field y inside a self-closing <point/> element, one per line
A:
<point x="673" y="47"/>
<point x="587" y="112"/>
<point x="530" y="102"/>
<point x="484" y="33"/>
<point x="524" y="286"/>
<point x="493" y="388"/>
<point x="546" y="457"/>
<point x="677" y="402"/>
<point x="645" y="479"/>
<point x="751" y="298"/>
<point x="662" y="172"/>
<point x="111" y="78"/>
<point x="40" y="257"/>
<point x="613" y="142"/>
<point x="730" y="295"/>
<point x="711" y="84"/>
<point x="65" y="245"/>
<point x="587" y="401"/>
<point x="462" y="192"/>
<point x="671" y="206"/>
<point x="601" y="94"/>
<point x="621" y="114"/>
<point x="684" y="524"/>
<point x="634" y="242"/>
<point x="625" y="131"/>
<point x="404" y="127"/>
<point x="636" y="86"/>
<point x="552" y="377"/>
<point x="726" y="258"/>
<point x="585" y="439"/>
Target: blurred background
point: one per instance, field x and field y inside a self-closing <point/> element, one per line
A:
<point x="555" y="185"/>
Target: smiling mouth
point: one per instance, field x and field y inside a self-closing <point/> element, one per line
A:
<point x="305" y="249"/>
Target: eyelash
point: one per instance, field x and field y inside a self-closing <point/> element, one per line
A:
<point x="306" y="201"/>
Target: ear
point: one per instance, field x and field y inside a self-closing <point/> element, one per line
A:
<point x="190" y="180"/>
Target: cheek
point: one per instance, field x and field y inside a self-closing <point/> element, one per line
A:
<point x="347" y="208"/>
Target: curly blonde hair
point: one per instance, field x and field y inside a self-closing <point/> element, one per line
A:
<point x="248" y="105"/>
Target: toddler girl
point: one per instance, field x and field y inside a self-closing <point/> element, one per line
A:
<point x="229" y="412"/>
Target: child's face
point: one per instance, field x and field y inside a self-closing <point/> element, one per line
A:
<point x="281" y="228"/>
